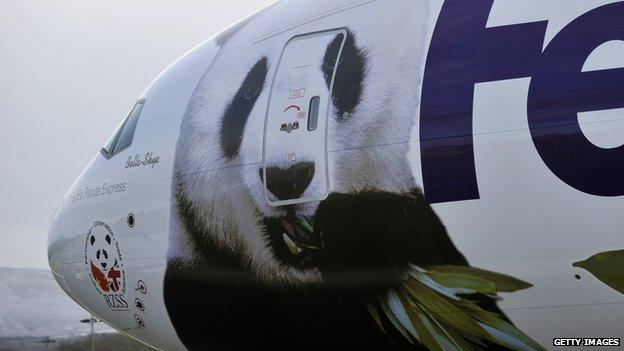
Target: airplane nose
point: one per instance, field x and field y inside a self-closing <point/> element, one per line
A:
<point x="289" y="183"/>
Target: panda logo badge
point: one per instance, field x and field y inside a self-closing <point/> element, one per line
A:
<point x="104" y="265"/>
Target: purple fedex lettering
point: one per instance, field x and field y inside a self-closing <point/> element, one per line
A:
<point x="464" y="52"/>
<point x="560" y="90"/>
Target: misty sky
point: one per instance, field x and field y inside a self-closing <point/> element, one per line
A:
<point x="69" y="73"/>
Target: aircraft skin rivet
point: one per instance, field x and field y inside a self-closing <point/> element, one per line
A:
<point x="141" y="287"/>
<point x="130" y="220"/>
<point x="139" y="321"/>
<point x="139" y="304"/>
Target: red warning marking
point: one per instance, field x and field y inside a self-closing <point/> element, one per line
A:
<point x="297" y="93"/>
<point x="293" y="106"/>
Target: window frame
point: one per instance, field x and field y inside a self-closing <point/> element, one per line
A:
<point x="108" y="155"/>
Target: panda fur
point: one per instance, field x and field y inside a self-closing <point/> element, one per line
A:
<point x="228" y="284"/>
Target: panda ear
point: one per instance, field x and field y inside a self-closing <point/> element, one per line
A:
<point x="92" y="240"/>
<point x="108" y="239"/>
<point x="350" y="73"/>
<point x="237" y="111"/>
<point x="329" y="60"/>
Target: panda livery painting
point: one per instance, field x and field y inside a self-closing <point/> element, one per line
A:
<point x="438" y="175"/>
<point x="309" y="274"/>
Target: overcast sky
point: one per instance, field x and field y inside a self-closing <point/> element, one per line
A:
<point x="69" y="72"/>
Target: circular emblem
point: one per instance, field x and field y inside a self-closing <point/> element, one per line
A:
<point x="105" y="264"/>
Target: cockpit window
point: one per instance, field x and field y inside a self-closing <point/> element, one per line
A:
<point x="110" y="143"/>
<point x="122" y="138"/>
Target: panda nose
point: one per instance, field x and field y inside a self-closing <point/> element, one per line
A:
<point x="291" y="182"/>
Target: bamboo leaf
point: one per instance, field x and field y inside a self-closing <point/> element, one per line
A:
<point x="372" y="309"/>
<point x="466" y="283"/>
<point x="496" y="322"/>
<point x="400" y="312"/>
<point x="608" y="267"/>
<point x="432" y="284"/>
<point x="441" y="338"/>
<point x="430" y="310"/>
<point x="450" y="338"/>
<point x="305" y="224"/>
<point x="424" y="335"/>
<point x="502" y="282"/>
<point x="462" y="339"/>
<point x="443" y="309"/>
<point x="393" y="319"/>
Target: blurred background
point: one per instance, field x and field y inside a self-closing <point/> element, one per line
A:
<point x="69" y="73"/>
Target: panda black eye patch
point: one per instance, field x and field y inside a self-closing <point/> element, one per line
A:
<point x="238" y="109"/>
<point x="350" y="73"/>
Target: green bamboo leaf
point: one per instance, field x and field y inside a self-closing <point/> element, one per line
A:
<point x="433" y="314"/>
<point x="441" y="339"/>
<point x="462" y="339"/>
<point x="470" y="308"/>
<point x="432" y="284"/>
<point x="425" y="335"/>
<point x="449" y="338"/>
<point x="441" y="307"/>
<point x="496" y="321"/>
<point x="459" y="337"/>
<point x="303" y="222"/>
<point x="469" y="283"/>
<point x="397" y="307"/>
<point x="393" y="319"/>
<point x="502" y="282"/>
<point x="608" y="267"/>
<point x="467" y="336"/>
<point x="373" y="310"/>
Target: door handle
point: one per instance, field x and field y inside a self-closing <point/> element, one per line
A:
<point x="313" y="113"/>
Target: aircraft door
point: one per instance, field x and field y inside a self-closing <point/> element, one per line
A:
<point x="294" y="158"/>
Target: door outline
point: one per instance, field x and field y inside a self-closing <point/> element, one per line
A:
<point x="340" y="30"/>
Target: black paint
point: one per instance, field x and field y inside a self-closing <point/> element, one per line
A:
<point x="238" y="110"/>
<point x="350" y="73"/>
<point x="291" y="182"/>
<point x="217" y="301"/>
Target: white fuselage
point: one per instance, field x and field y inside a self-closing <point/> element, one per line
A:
<point x="507" y="115"/>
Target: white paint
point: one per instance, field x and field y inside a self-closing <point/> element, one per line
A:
<point x="609" y="55"/>
<point x="527" y="223"/>
<point x="604" y="128"/>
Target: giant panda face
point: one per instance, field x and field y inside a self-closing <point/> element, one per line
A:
<point x="361" y="176"/>
<point x="303" y="178"/>
<point x="370" y="106"/>
<point x="100" y="249"/>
